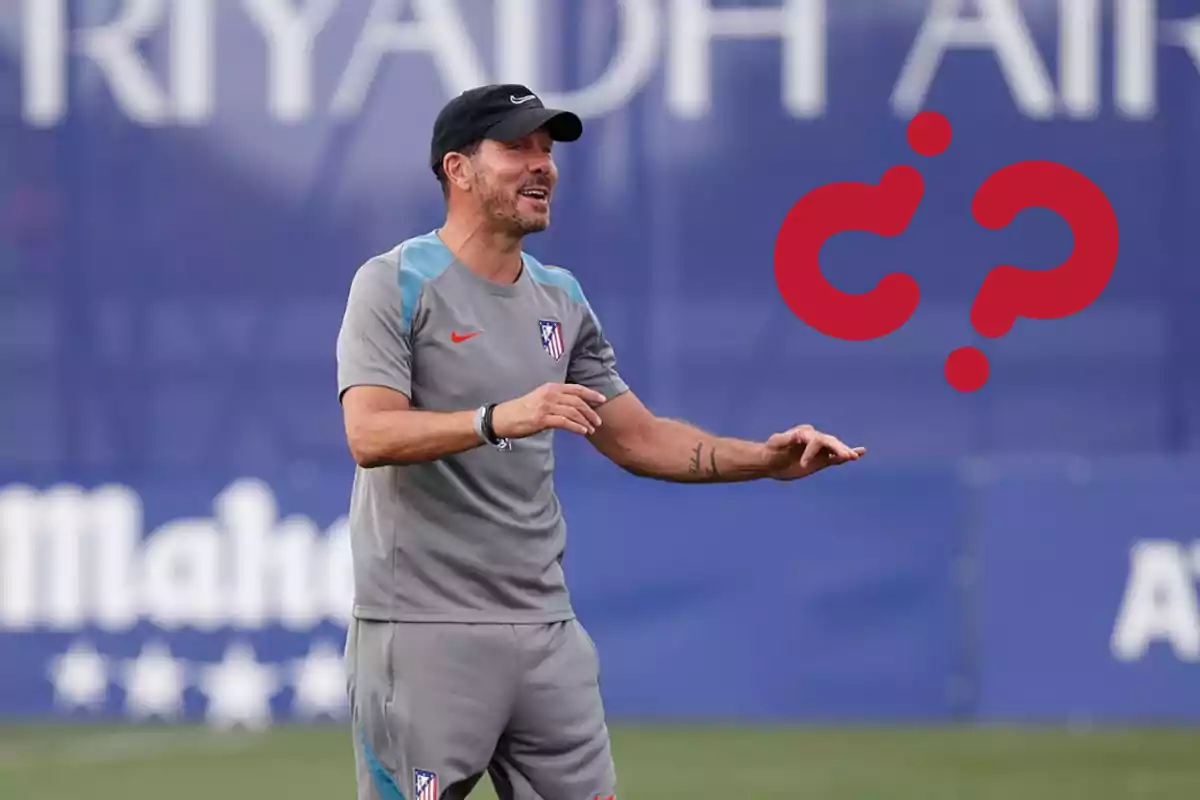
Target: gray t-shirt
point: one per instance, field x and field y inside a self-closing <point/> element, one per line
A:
<point x="478" y="536"/>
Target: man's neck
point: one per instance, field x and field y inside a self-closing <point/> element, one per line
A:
<point x="488" y="253"/>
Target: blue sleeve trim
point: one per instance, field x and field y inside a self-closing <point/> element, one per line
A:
<point x="555" y="276"/>
<point x="421" y="260"/>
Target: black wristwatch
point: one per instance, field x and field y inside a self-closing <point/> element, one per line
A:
<point x="485" y="429"/>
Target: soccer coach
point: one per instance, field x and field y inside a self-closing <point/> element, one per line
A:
<point x="459" y="355"/>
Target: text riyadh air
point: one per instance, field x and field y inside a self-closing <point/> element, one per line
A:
<point x="672" y="39"/>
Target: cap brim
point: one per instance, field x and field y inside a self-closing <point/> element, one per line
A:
<point x="563" y="126"/>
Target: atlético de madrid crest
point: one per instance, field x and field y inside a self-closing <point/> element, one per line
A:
<point x="552" y="338"/>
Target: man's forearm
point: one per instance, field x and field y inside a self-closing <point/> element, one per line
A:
<point x="676" y="451"/>
<point x="410" y="436"/>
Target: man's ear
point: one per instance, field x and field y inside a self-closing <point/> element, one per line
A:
<point x="459" y="170"/>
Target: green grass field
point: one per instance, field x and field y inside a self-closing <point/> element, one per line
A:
<point x="659" y="763"/>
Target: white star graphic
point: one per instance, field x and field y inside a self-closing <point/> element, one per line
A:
<point x="239" y="690"/>
<point x="319" y="680"/>
<point x="80" y="677"/>
<point x="154" y="684"/>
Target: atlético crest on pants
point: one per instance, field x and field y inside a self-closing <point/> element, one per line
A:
<point x="425" y="785"/>
<point x="552" y="338"/>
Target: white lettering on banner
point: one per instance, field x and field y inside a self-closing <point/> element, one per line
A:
<point x="1137" y="53"/>
<point x="999" y="28"/>
<point x="65" y="521"/>
<point x="290" y="34"/>
<point x="1079" y="57"/>
<point x="181" y="576"/>
<point x="70" y="558"/>
<point x="44" y="63"/>
<point x="55" y="569"/>
<point x="440" y="32"/>
<point x="193" y="60"/>
<point x="518" y="38"/>
<point x="693" y="26"/>
<point x="1186" y="34"/>
<point x="686" y="31"/>
<point x="517" y="32"/>
<point x="1136" y="61"/>
<point x="112" y="47"/>
<point x="1160" y="602"/>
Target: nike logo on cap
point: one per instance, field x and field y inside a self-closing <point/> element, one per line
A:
<point x="516" y="99"/>
<point x="457" y="337"/>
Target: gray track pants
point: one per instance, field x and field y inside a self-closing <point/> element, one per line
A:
<point x="434" y="705"/>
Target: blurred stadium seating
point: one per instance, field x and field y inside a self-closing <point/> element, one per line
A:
<point x="187" y="186"/>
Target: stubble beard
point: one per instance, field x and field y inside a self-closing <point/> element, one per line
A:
<point x="504" y="212"/>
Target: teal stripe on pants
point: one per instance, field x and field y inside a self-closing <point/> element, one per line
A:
<point x="388" y="790"/>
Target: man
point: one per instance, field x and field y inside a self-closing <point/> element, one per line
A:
<point x="459" y="356"/>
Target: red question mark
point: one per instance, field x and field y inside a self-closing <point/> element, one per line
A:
<point x="1009" y="292"/>
<point x="884" y="209"/>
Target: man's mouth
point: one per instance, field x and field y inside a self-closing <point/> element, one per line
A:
<point x="536" y="193"/>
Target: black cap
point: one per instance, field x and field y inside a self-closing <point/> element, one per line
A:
<point x="503" y="112"/>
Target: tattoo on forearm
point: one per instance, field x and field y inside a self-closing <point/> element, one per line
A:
<point x="694" y="467"/>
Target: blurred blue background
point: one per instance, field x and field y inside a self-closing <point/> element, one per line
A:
<point x="187" y="187"/>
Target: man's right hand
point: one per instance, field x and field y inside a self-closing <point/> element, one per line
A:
<point x="552" y="405"/>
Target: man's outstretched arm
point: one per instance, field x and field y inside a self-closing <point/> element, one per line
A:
<point x="644" y="444"/>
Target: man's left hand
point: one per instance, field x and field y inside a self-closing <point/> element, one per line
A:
<point x="804" y="450"/>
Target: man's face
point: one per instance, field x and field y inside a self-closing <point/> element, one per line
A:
<point x="514" y="182"/>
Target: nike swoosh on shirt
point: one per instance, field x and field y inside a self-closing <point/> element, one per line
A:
<point x="456" y="337"/>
